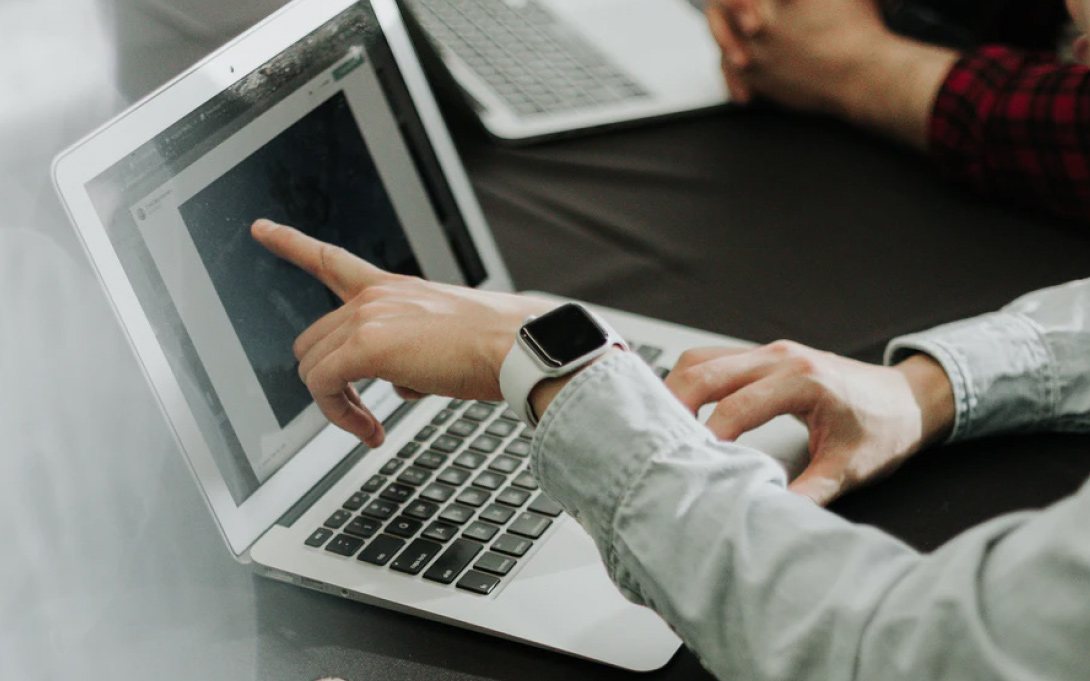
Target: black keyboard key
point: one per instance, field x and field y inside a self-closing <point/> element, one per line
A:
<point x="489" y="481"/>
<point x="374" y="484"/>
<point x="454" y="476"/>
<point x="481" y="531"/>
<point x="409" y="450"/>
<point x="470" y="460"/>
<point x="519" y="448"/>
<point x="473" y="497"/>
<point x="510" y="415"/>
<point x="397" y="492"/>
<point x="525" y="480"/>
<point x="381" y="549"/>
<point x="478" y="412"/>
<point x="501" y="429"/>
<point x="440" y="531"/>
<point x="456" y="403"/>
<point x="649" y="353"/>
<point x="392" y="466"/>
<point x="486" y="444"/>
<point x="319" y="536"/>
<point x="437" y="492"/>
<point x="455" y="559"/>
<point x="421" y="510"/>
<point x="446" y="444"/>
<point x="425" y="433"/>
<point x="413" y="559"/>
<point x="414" y="475"/>
<point x="442" y="417"/>
<point x="404" y="527"/>
<point x="380" y="508"/>
<point x="512" y="545"/>
<point x="338" y="518"/>
<point x="530" y="525"/>
<point x="505" y="464"/>
<point x="662" y="372"/>
<point x="456" y="514"/>
<point x="344" y="545"/>
<point x="495" y="563"/>
<point x="431" y="460"/>
<point x="462" y="428"/>
<point x="497" y="514"/>
<point x="478" y="582"/>
<point x="356" y="501"/>
<point x="362" y="527"/>
<point x="546" y="506"/>
<point x="513" y="497"/>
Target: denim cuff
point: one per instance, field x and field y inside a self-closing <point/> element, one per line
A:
<point x="1000" y="369"/>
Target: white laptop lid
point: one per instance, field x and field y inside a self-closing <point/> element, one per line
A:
<point x="318" y="117"/>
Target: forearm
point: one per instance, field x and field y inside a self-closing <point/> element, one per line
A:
<point x="761" y="583"/>
<point x="893" y="90"/>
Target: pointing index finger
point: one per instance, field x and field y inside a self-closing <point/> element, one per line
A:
<point x="345" y="274"/>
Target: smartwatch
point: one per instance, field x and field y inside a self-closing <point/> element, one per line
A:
<point x="555" y="344"/>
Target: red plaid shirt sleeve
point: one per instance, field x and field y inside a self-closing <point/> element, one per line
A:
<point x="1017" y="126"/>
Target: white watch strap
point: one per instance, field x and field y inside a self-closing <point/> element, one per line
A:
<point x="518" y="376"/>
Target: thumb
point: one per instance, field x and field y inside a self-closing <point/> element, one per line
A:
<point x="344" y="274"/>
<point x="822" y="481"/>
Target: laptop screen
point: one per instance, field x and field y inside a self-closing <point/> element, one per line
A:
<point x="324" y="137"/>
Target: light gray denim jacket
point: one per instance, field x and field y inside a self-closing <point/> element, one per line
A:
<point x="762" y="584"/>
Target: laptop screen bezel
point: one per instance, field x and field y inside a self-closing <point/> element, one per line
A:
<point x="243" y="524"/>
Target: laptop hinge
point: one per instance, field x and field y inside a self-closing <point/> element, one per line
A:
<point x="339" y="471"/>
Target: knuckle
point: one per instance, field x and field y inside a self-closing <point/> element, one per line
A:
<point x="687" y="360"/>
<point x="695" y="379"/>
<point x="783" y="348"/>
<point x="804" y="365"/>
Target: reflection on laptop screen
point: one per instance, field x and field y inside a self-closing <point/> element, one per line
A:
<point x="322" y="138"/>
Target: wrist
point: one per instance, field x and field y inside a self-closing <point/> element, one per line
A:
<point x="544" y="392"/>
<point x="893" y="84"/>
<point x="934" y="394"/>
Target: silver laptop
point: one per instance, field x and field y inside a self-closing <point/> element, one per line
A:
<point x="320" y="117"/>
<point x="540" y="68"/>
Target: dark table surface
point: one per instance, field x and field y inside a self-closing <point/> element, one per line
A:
<point x="757" y="224"/>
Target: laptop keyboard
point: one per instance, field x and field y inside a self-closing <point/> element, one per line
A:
<point x="459" y="504"/>
<point x="533" y="61"/>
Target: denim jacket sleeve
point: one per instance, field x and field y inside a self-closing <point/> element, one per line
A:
<point x="1026" y="367"/>
<point x="762" y="584"/>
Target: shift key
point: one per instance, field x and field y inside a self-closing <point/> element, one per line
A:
<point x="453" y="561"/>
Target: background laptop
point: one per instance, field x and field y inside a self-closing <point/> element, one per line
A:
<point x="539" y="68"/>
<point x="320" y="117"/>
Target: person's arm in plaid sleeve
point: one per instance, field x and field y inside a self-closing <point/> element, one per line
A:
<point x="1016" y="126"/>
<point x="1009" y="124"/>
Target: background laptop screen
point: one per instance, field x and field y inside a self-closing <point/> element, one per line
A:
<point x="323" y="137"/>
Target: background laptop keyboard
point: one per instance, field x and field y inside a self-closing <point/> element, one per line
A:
<point x="459" y="504"/>
<point x="533" y="61"/>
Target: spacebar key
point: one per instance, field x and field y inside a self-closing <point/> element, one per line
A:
<point x="453" y="561"/>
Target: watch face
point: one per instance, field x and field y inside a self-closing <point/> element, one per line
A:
<point x="563" y="335"/>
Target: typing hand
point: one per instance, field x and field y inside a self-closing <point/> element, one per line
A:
<point x="864" y="420"/>
<point x="424" y="337"/>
